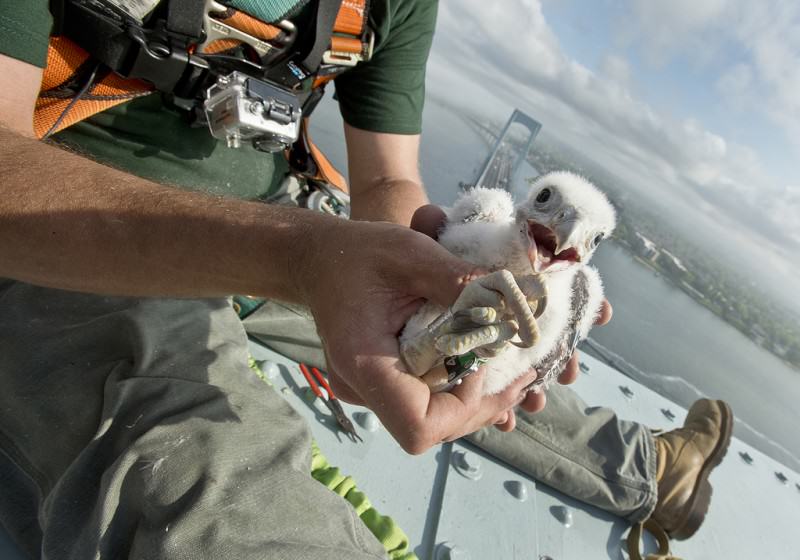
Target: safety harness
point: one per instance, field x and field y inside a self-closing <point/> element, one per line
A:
<point x="248" y="79"/>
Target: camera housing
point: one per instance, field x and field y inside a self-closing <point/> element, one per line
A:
<point x="239" y="107"/>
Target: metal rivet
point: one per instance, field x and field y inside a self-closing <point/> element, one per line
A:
<point x="450" y="551"/>
<point x="256" y="108"/>
<point x="668" y="413"/>
<point x="517" y="488"/>
<point x="782" y="477"/>
<point x="367" y="420"/>
<point x="467" y="464"/>
<point x="746" y="457"/>
<point x="269" y="368"/>
<point x="545" y="557"/>
<point x="233" y="140"/>
<point x="563" y="514"/>
<point x="584" y="367"/>
<point x="626" y="391"/>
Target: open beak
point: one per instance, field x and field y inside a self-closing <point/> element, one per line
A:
<point x="556" y="248"/>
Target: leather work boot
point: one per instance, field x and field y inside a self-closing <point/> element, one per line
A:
<point x="686" y="457"/>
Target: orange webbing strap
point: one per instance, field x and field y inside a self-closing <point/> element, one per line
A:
<point x="64" y="60"/>
<point x="352" y="18"/>
<point x="350" y="37"/>
<point x="250" y="25"/>
<point x="319" y="167"/>
<point x="346" y="44"/>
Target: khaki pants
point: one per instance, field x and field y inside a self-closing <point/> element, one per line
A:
<point x="132" y="428"/>
<point x="585" y="452"/>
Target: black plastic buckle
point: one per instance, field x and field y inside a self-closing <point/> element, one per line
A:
<point x="160" y="60"/>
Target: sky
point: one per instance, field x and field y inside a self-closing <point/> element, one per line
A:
<point x="694" y="104"/>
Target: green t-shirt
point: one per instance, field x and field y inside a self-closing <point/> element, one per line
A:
<point x="152" y="140"/>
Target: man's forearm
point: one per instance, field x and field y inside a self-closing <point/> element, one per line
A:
<point x="70" y="223"/>
<point x="384" y="175"/>
<point x="390" y="201"/>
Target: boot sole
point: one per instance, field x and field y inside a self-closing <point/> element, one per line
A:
<point x="701" y="497"/>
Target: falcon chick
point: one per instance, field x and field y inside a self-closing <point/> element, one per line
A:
<point x="534" y="316"/>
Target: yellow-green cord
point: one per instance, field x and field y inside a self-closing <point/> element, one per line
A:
<point x="393" y="538"/>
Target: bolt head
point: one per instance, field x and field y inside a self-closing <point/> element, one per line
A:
<point x="467" y="464"/>
<point x="367" y="420"/>
<point x="269" y="368"/>
<point x="518" y="489"/>
<point x="256" y="107"/>
<point x="563" y="514"/>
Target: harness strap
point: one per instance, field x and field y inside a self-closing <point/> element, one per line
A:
<point x="69" y="67"/>
<point x="185" y="17"/>
<point x="268" y="10"/>
<point x="67" y="63"/>
<point x="352" y="18"/>
<point x="351" y="42"/>
<point x="327" y="11"/>
<point x="308" y="161"/>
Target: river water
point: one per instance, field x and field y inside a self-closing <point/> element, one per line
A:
<point x="669" y="342"/>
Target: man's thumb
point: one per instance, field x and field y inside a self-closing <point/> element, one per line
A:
<point x="428" y="219"/>
<point x="442" y="277"/>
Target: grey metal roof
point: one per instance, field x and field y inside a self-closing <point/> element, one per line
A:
<point x="753" y="514"/>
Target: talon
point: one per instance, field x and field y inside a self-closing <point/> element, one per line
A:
<point x="538" y="306"/>
<point x="469" y="319"/>
<point x="472" y="322"/>
<point x="535" y="289"/>
<point x="483" y="315"/>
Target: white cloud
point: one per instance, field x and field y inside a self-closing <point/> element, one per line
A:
<point x="509" y="48"/>
<point x="677" y="25"/>
<point x="766" y="34"/>
<point x="616" y="69"/>
<point x="786" y="208"/>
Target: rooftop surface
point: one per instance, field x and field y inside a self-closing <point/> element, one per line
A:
<point x="753" y="513"/>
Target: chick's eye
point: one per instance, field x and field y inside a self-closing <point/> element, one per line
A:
<point x="544" y="195"/>
<point x="598" y="238"/>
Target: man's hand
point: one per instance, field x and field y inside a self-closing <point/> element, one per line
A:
<point x="363" y="281"/>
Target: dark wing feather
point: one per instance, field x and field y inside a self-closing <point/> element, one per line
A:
<point x="551" y="366"/>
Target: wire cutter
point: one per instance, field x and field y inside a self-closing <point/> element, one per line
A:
<point x="331" y="402"/>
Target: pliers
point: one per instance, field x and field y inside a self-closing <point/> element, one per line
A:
<point x="331" y="402"/>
